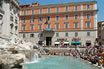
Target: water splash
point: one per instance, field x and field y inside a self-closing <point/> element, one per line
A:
<point x="35" y="59"/>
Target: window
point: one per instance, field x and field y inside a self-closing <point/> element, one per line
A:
<point x="11" y="7"/>
<point x="32" y="26"/>
<point x="24" y="20"/>
<point x="66" y="25"/>
<point x="40" y="19"/>
<point x="88" y="6"/>
<point x="14" y="11"/>
<point x="31" y="35"/>
<point x="49" y="26"/>
<point x="88" y="24"/>
<point x="66" y="34"/>
<point x="1" y="2"/>
<point x="57" y="34"/>
<point x="66" y="8"/>
<point x="32" y="20"/>
<point x="57" y="9"/>
<point x="76" y="16"/>
<point x="40" y="26"/>
<point x="75" y="24"/>
<point x="88" y="16"/>
<point x="57" y="18"/>
<point x="40" y="10"/>
<point x="32" y="11"/>
<point x="88" y="33"/>
<point x="24" y="27"/>
<point x="41" y="35"/>
<point x="1" y="16"/>
<point x="24" y="12"/>
<point x="16" y="28"/>
<point x="76" y="34"/>
<point x="66" y="17"/>
<point x="48" y="18"/>
<point x="16" y="22"/>
<point x="57" y="25"/>
<point x="76" y="7"/>
<point x="23" y="35"/>
<point x="48" y="10"/>
<point x="11" y="18"/>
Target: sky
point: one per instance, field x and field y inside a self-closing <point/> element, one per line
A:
<point x="100" y="4"/>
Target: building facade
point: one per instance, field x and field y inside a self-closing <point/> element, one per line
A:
<point x="49" y="23"/>
<point x="9" y="17"/>
<point x="101" y="32"/>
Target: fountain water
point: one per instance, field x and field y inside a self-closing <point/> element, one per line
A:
<point x="33" y="56"/>
<point x="59" y="62"/>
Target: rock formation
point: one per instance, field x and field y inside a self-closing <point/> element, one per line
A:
<point x="14" y="51"/>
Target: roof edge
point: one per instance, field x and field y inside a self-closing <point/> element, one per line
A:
<point x="61" y="4"/>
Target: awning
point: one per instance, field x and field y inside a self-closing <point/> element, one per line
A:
<point x="76" y="42"/>
<point x="49" y="29"/>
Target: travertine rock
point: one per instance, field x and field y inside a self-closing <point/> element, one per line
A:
<point x="15" y="51"/>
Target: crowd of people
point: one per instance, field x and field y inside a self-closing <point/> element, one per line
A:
<point x="95" y="55"/>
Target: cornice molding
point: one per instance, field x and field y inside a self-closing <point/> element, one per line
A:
<point x="59" y="5"/>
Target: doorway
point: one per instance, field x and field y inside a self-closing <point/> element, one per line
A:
<point x="48" y="41"/>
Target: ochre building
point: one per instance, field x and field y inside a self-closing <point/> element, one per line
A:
<point x="65" y="21"/>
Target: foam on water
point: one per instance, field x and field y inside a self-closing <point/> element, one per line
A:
<point x="35" y="61"/>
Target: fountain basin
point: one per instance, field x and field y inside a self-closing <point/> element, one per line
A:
<point x="59" y="62"/>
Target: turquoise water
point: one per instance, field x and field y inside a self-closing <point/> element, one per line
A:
<point x="57" y="62"/>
